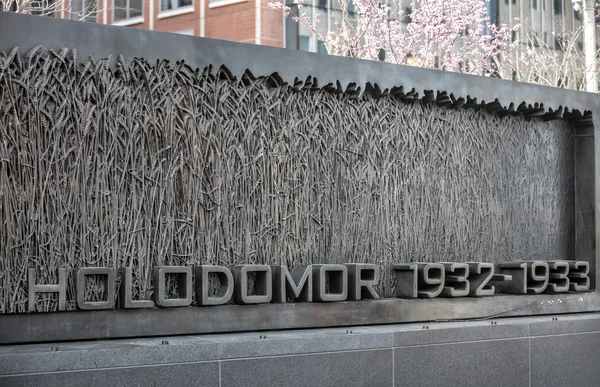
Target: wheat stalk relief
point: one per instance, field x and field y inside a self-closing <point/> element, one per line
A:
<point x="147" y="164"/>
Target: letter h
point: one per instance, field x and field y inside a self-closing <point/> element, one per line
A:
<point x="60" y="288"/>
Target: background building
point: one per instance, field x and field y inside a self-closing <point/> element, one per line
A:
<point x="248" y="21"/>
<point x="542" y="21"/>
<point x="253" y="21"/>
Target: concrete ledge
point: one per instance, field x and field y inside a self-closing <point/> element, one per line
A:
<point x="499" y="352"/>
<point x="123" y="323"/>
<point x="459" y="332"/>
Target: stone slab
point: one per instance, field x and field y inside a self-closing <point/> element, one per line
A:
<point x="497" y="363"/>
<point x="349" y="368"/>
<point x="204" y="374"/>
<point x="566" y="360"/>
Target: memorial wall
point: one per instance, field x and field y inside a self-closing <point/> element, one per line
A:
<point x="141" y="170"/>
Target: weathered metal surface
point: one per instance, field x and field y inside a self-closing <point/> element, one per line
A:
<point x="158" y="165"/>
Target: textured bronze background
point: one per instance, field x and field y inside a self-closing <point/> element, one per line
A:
<point x="140" y="165"/>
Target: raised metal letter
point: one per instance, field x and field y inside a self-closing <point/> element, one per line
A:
<point x="423" y="280"/>
<point x="125" y="300"/>
<point x="578" y="275"/>
<point x="431" y="280"/>
<point x="109" y="299"/>
<point x="559" y="277"/>
<point x="362" y="277"/>
<point x="457" y="284"/>
<point x="185" y="286"/>
<point x="263" y="285"/>
<point x="337" y="278"/>
<point x="202" y="282"/>
<point x="60" y="288"/>
<point x="298" y="283"/>
<point x="480" y="274"/>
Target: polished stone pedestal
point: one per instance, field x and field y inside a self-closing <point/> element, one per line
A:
<point x="562" y="350"/>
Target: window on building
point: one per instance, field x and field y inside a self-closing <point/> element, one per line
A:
<point x="534" y="41"/>
<point x="543" y="5"/>
<point x="299" y="37"/>
<point x="84" y="10"/>
<point x="534" y="4"/>
<point x="557" y="7"/>
<point x="167" y="5"/>
<point x="188" y="31"/>
<point x="321" y="49"/>
<point x="127" y="9"/>
<point x="407" y="18"/>
<point x="557" y="44"/>
<point x="351" y="8"/>
<point x="304" y="43"/>
<point x="39" y="7"/>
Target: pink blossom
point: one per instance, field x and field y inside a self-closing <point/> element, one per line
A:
<point x="453" y="35"/>
<point x="449" y="34"/>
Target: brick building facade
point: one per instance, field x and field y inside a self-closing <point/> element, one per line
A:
<point x="248" y="21"/>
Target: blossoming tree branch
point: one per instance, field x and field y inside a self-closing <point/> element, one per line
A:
<point x="451" y="35"/>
